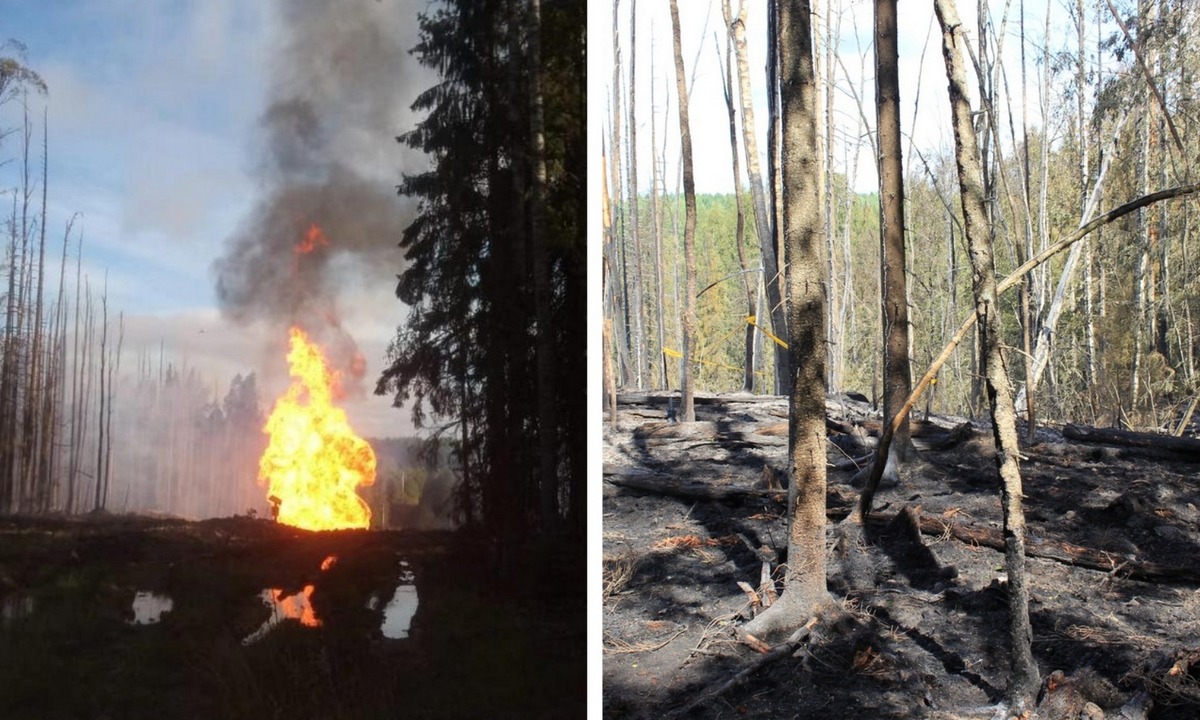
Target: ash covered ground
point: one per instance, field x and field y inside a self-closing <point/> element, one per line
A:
<point x="691" y="509"/>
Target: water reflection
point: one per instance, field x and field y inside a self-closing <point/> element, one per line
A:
<point x="398" y="615"/>
<point x="148" y="608"/>
<point x="297" y="606"/>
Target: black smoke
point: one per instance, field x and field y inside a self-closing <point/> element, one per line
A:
<point x="340" y="82"/>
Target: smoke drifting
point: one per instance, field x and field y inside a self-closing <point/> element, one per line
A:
<point x="340" y="84"/>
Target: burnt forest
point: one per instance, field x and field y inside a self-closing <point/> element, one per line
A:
<point x="899" y="360"/>
<point x="291" y="321"/>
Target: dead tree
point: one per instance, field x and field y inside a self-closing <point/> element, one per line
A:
<point x="1023" y="677"/>
<point x="688" y="410"/>
<point x="805" y="592"/>
<point x="897" y="380"/>
<point x="747" y="277"/>
<point x="773" y="279"/>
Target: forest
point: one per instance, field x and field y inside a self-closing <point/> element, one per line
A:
<point x="171" y="539"/>
<point x="1128" y="289"/>
<point x="944" y="271"/>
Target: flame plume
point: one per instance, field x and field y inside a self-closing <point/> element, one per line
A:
<point x="314" y="462"/>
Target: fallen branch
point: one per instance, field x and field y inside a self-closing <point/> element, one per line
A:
<point x="692" y="489"/>
<point x="786" y="649"/>
<point x="881" y="450"/>
<point x="1057" y="550"/>
<point x="614" y="645"/>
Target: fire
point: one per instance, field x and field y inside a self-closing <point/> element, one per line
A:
<point x="314" y="461"/>
<point x="314" y="238"/>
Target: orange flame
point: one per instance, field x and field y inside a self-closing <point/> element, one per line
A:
<point x="296" y="607"/>
<point x="314" y="461"/>
<point x="314" y="238"/>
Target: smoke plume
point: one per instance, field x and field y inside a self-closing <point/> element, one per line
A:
<point x="328" y="217"/>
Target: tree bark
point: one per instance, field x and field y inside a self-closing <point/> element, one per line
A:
<point x="620" y="290"/>
<point x="638" y="299"/>
<point x="688" y="410"/>
<point x="804" y="581"/>
<point x="747" y="278"/>
<point x="656" y="223"/>
<point x="897" y="380"/>
<point x="762" y="222"/>
<point x="1023" y="674"/>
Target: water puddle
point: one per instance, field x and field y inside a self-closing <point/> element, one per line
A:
<point x="398" y="615"/>
<point x="297" y="606"/>
<point x="149" y="608"/>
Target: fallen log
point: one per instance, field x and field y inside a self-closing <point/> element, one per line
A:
<point x="661" y="398"/>
<point x="690" y="489"/>
<point x="837" y="499"/>
<point x="1168" y="446"/>
<point x="1057" y="550"/>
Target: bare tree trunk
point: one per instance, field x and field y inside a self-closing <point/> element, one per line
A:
<point x="114" y="364"/>
<point x="1023" y="675"/>
<point x="610" y="385"/>
<point x="770" y="260"/>
<point x="837" y="324"/>
<point x="86" y="386"/>
<point x="1090" y="376"/>
<point x="1028" y="286"/>
<point x="775" y="167"/>
<point x="621" y="315"/>
<point x="76" y="388"/>
<point x="98" y="503"/>
<point x="656" y="221"/>
<point x="747" y="279"/>
<point x="897" y="379"/>
<point x="688" y="410"/>
<point x="639" y="304"/>
<point x="805" y="592"/>
<point x="37" y="371"/>
<point x="56" y="377"/>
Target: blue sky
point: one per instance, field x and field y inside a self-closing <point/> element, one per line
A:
<point x="152" y="115"/>
<point x="154" y="136"/>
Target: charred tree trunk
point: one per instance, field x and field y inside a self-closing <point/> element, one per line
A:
<point x="101" y="425"/>
<point x="772" y="277"/>
<point x="805" y="592"/>
<point x="1023" y="675"/>
<point x="688" y="410"/>
<point x="656" y="223"/>
<point x="747" y="278"/>
<point x="638" y="297"/>
<point x="897" y="379"/>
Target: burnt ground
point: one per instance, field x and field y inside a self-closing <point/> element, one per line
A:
<point x="924" y="628"/>
<point x="482" y="643"/>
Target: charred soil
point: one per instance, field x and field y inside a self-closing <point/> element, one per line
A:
<point x="482" y="642"/>
<point x="692" y="510"/>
